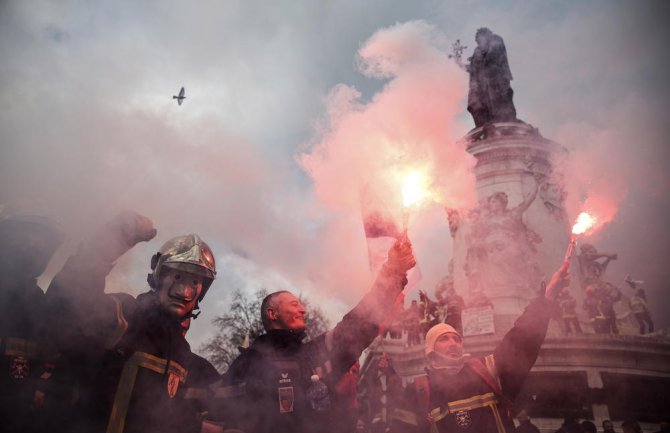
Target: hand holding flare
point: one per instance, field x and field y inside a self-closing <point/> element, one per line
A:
<point x="584" y="222"/>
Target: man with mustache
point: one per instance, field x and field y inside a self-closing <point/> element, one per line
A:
<point x="281" y="384"/>
<point x="464" y="394"/>
<point x="127" y="357"/>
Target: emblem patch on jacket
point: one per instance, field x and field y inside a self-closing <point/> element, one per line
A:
<point x="286" y="399"/>
<point x="172" y="384"/>
<point x="463" y="419"/>
<point x="19" y="368"/>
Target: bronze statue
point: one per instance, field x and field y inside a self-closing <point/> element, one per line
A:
<point x="490" y="96"/>
<point x="591" y="269"/>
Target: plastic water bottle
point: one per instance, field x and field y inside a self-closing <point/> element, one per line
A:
<point x="317" y="394"/>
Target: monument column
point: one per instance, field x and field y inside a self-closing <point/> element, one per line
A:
<point x="517" y="234"/>
<point x="516" y="237"/>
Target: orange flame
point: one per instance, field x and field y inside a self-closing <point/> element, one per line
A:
<point x="584" y="222"/>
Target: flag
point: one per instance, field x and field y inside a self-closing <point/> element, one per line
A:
<point x="381" y="232"/>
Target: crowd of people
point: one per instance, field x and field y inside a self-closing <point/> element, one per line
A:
<point x="79" y="359"/>
<point x="572" y="425"/>
<point x="422" y="314"/>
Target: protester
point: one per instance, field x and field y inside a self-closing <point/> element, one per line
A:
<point x="281" y="384"/>
<point x="570" y="425"/>
<point x="525" y="426"/>
<point x="608" y="426"/>
<point x="28" y="242"/>
<point x="129" y="355"/>
<point x="382" y="389"/>
<point x="589" y="427"/>
<point x="639" y="308"/>
<point x="412" y="324"/>
<point x="345" y="404"/>
<point x="460" y="391"/>
<point x="631" y="426"/>
<point x="568" y="306"/>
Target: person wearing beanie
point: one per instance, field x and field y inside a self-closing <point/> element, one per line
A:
<point x="462" y="393"/>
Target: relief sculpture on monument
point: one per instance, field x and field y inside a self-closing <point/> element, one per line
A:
<point x="500" y="260"/>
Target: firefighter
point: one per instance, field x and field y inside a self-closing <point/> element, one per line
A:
<point x="281" y="384"/>
<point x="28" y="242"/>
<point x="461" y="393"/>
<point x="128" y="356"/>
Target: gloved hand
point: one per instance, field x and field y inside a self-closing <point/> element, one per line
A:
<point x="559" y="280"/>
<point x="134" y="227"/>
<point x="400" y="256"/>
<point x="120" y="234"/>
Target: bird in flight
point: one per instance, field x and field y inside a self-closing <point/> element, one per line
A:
<point x="181" y="97"/>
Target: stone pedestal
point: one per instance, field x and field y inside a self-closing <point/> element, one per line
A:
<point x="517" y="235"/>
<point x="501" y="252"/>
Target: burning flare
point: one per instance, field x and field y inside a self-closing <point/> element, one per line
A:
<point x="414" y="188"/>
<point x="584" y="222"/>
<point x="414" y="192"/>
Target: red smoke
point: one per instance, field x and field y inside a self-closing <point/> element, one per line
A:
<point x="409" y="124"/>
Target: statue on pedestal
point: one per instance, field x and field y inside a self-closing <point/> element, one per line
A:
<point x="600" y="295"/>
<point x="591" y="267"/>
<point x="490" y="95"/>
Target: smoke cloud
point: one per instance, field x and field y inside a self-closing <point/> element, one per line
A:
<point x="90" y="128"/>
<point x="410" y="123"/>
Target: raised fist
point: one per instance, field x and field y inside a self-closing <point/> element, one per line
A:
<point x="120" y="234"/>
<point x="400" y="257"/>
<point x="134" y="228"/>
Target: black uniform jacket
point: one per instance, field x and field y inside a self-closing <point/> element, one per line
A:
<point x="125" y="358"/>
<point x="265" y="388"/>
<point x="478" y="398"/>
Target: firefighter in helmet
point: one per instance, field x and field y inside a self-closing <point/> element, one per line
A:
<point x="128" y="355"/>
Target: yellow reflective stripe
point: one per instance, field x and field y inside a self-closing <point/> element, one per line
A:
<point x="491" y="367"/>
<point x="473" y="402"/>
<point x="158" y="365"/>
<point x="496" y="415"/>
<point x="437" y="414"/>
<point x="405" y="416"/>
<point x="121" y="325"/>
<point x="476" y="402"/>
<point x="117" y="418"/>
<point x="124" y="390"/>
<point x="20" y="347"/>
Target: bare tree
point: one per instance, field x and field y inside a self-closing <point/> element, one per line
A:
<point x="244" y="317"/>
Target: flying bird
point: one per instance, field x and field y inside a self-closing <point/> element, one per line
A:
<point x="180" y="98"/>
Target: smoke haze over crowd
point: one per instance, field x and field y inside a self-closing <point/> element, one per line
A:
<point x="294" y="106"/>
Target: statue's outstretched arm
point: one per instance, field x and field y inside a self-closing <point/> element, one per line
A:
<point x="530" y="198"/>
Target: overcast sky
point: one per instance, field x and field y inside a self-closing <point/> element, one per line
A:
<point x="285" y="100"/>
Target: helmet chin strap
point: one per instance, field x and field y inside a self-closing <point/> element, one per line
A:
<point x="194" y="313"/>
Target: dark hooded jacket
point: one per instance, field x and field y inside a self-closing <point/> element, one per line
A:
<point x="266" y="387"/>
